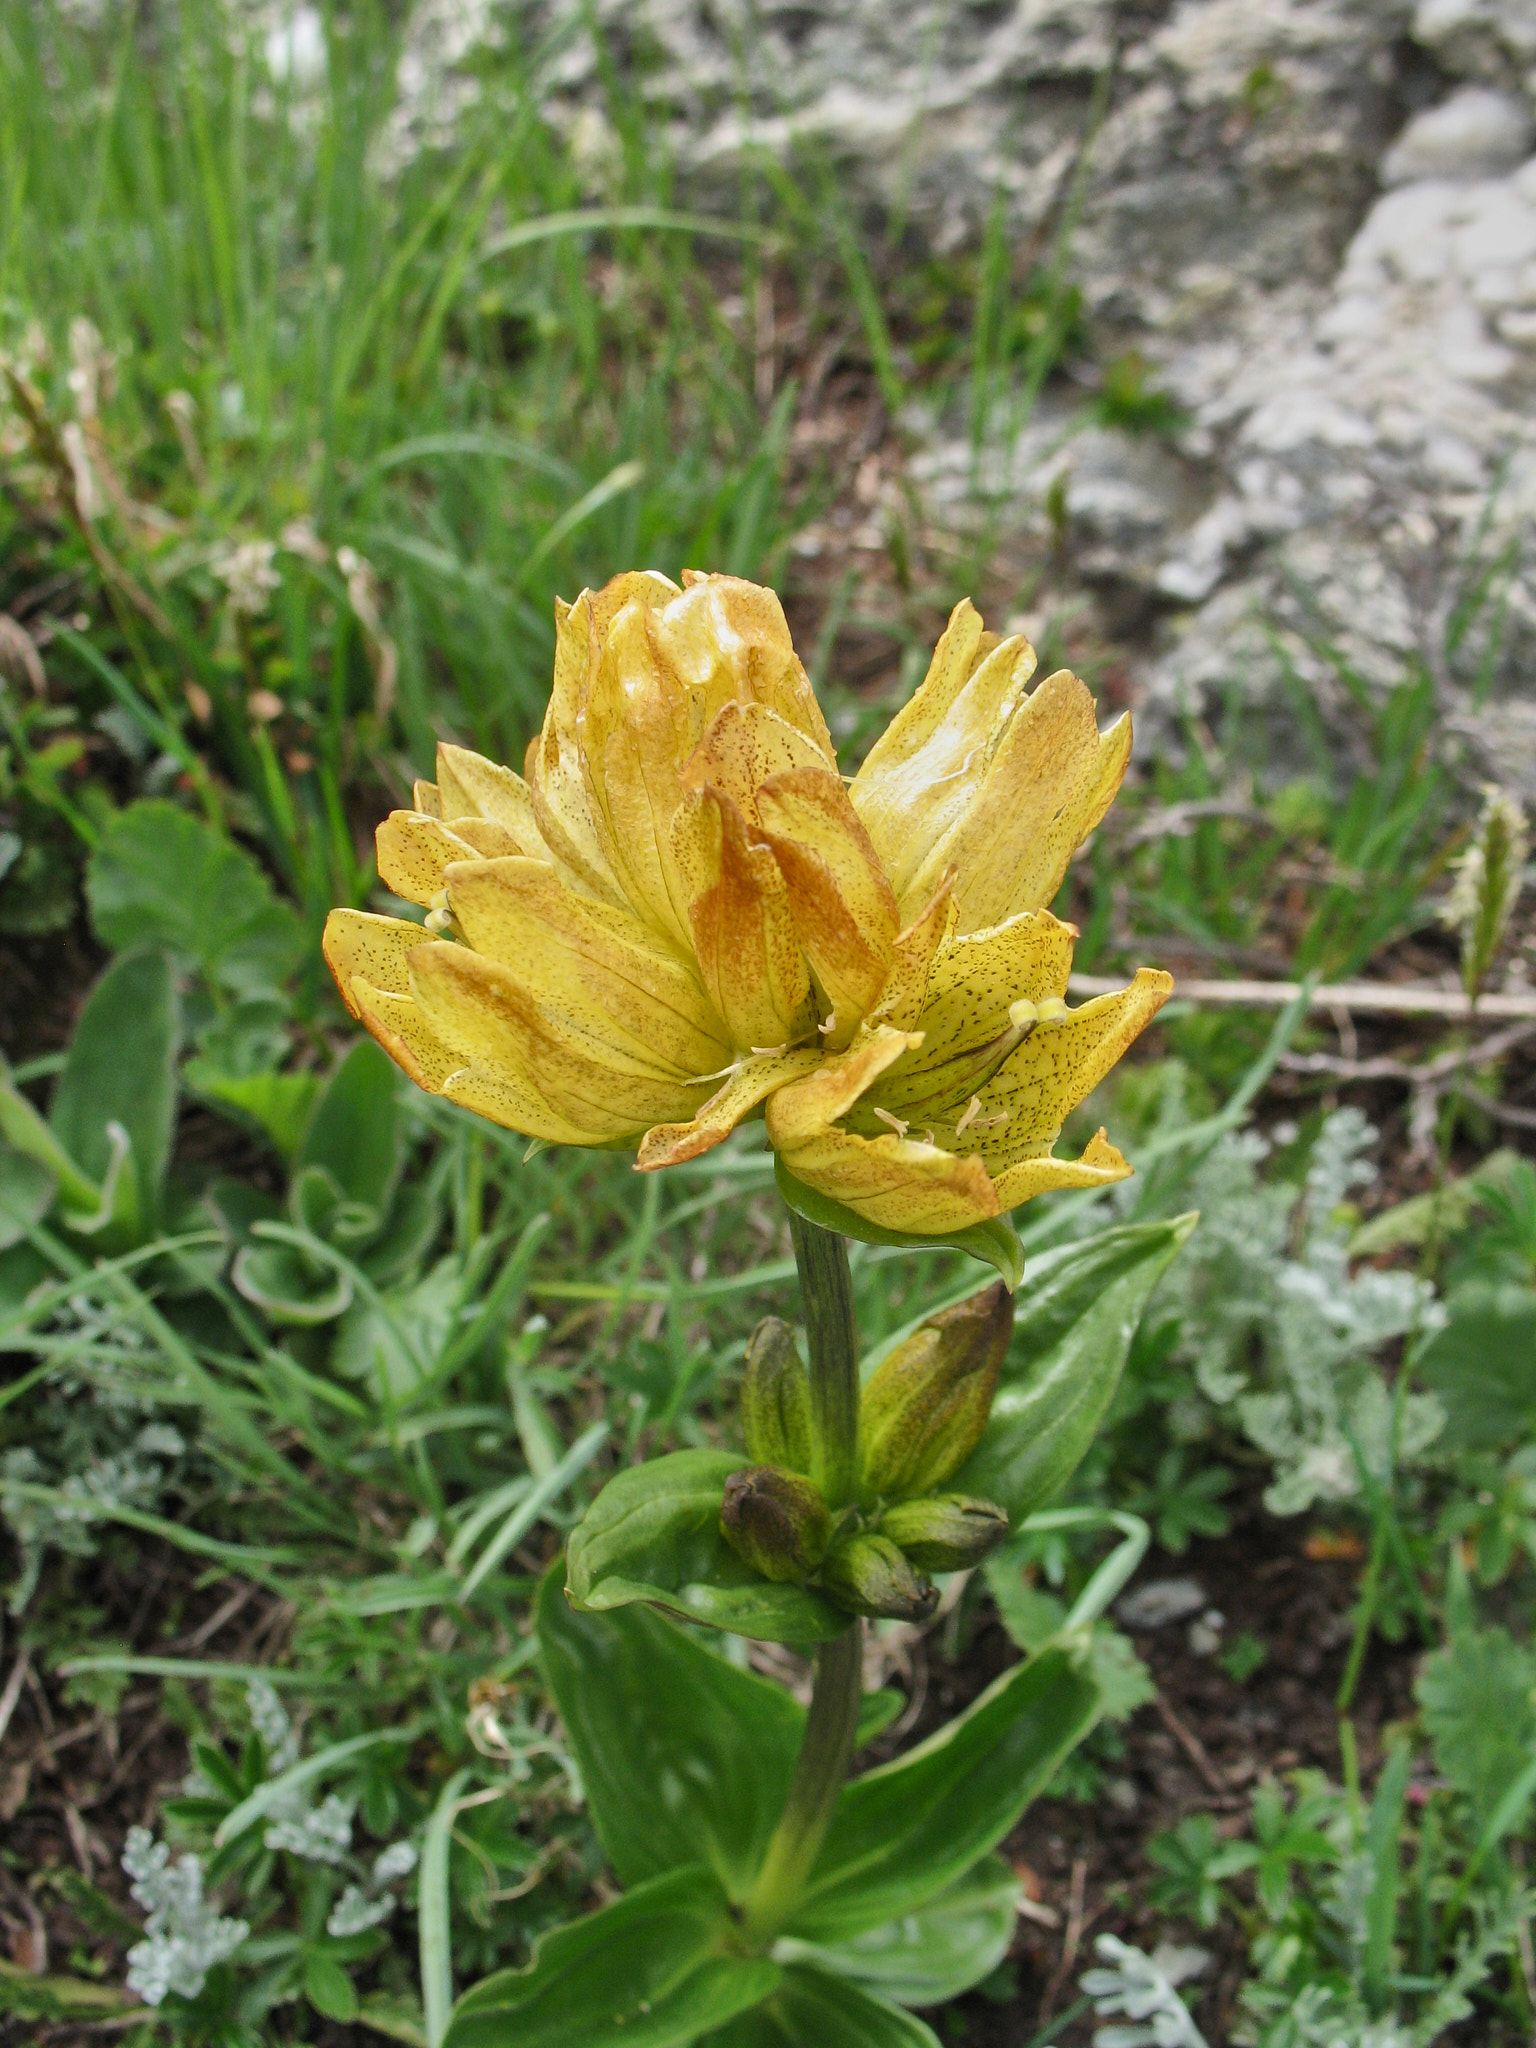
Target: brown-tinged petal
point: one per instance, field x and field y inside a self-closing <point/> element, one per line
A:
<point x="414" y="848"/>
<point x="897" y="1183"/>
<point x="747" y="1084"/>
<point x="976" y="978"/>
<point x="906" y="990"/>
<point x="396" y="1021"/>
<point x="843" y="905"/>
<point x="744" y="936"/>
<point x="470" y="787"/>
<point x="483" y="1011"/>
<point x="1049" y="781"/>
<point x="726" y="638"/>
<point x="360" y="946"/>
<point x="743" y="745"/>
<point x="1058" y="1065"/>
<point x="1100" y="1166"/>
<point x="831" y="1088"/>
<point x="586" y="961"/>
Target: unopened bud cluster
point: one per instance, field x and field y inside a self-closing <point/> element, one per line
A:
<point x="920" y="1417"/>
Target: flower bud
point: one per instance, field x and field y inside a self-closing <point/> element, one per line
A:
<point x="869" y="1575"/>
<point x="777" y="1522"/>
<point x="924" y="1410"/>
<point x="946" y="1532"/>
<point x="776" y="1399"/>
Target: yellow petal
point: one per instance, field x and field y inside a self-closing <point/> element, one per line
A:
<point x="743" y="745"/>
<point x="426" y="798"/>
<point x="923" y="770"/>
<point x="414" y="849"/>
<point x="512" y="1101"/>
<point x="743" y="933"/>
<point x="469" y="786"/>
<point x="480" y="1008"/>
<point x="1100" y="1166"/>
<point x="805" y="1108"/>
<point x="360" y="946"/>
<point x="898" y="1183"/>
<point x="748" y="1085"/>
<point x="906" y="991"/>
<point x="728" y="639"/>
<point x="843" y="905"/>
<point x="1051" y="778"/>
<point x="976" y="977"/>
<point x="396" y="1021"/>
<point x="587" y="962"/>
<point x="1058" y="1066"/>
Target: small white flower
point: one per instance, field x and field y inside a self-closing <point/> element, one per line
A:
<point x="248" y="574"/>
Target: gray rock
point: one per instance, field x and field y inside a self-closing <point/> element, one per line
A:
<point x="1476" y="133"/>
<point x="1158" y="1602"/>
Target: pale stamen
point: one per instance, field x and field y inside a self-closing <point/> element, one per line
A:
<point x="895" y="1122"/>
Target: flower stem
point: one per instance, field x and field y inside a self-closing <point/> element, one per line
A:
<point x="827" y="1291"/>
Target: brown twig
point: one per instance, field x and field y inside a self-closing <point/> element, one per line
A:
<point x="1376" y="998"/>
<point x="1195" y="1750"/>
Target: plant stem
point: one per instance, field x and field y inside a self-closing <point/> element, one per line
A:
<point x="819" y="1773"/>
<point x="826" y="1288"/>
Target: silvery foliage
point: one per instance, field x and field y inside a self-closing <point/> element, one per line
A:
<point x="363" y="1906"/>
<point x="132" y="1478"/>
<point x="1281" y="1334"/>
<point x="318" y="1834"/>
<point x="186" y="1933"/>
<point x="1143" y="1988"/>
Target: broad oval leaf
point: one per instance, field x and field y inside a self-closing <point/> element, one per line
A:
<point x="653" y="1534"/>
<point x="650" y="1971"/>
<point x="355" y="1133"/>
<point x="933" y="1954"/>
<point x="1071" y="1335"/>
<point x="662" y="1729"/>
<point x="162" y="877"/>
<point x="903" y="1834"/>
<point x="811" y="2009"/>
<point x="995" y="1243"/>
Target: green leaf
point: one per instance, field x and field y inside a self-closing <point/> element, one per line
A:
<point x="162" y="877"/>
<point x="1483" y="1366"/>
<point x="663" y="1730"/>
<point x="329" y="1989"/>
<point x="813" y="2010"/>
<point x="121" y="1069"/>
<point x="653" y="1970"/>
<point x="653" y="1533"/>
<point x="995" y="1243"/>
<point x="277" y="1107"/>
<point x="395" y="2015"/>
<point x="25" y="1996"/>
<point x="1071" y="1336"/>
<point x="289" y="1289"/>
<point x="27" y="1189"/>
<point x="355" y="1133"/>
<point x="904" y="1833"/>
<point x="935" y="1953"/>
<point x="1476" y="1695"/>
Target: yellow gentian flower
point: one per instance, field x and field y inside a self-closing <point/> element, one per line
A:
<point x="684" y="912"/>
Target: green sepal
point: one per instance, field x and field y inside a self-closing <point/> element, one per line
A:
<point x="931" y="1955"/>
<point x="904" y="1833"/>
<point x="659" y="1726"/>
<point x="995" y="1242"/>
<point x="812" y="2009"/>
<point x="653" y="1533"/>
<point x="650" y="1971"/>
<point x="1071" y="1337"/>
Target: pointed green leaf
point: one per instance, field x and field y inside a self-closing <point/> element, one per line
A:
<point x="903" y="1834"/>
<point x="663" y="1730"/>
<point x="653" y="1533"/>
<point x="995" y="1243"/>
<point x="653" y="1970"/>
<point x="935" y="1953"/>
<point x="355" y="1133"/>
<point x="276" y="1106"/>
<point x="814" y="2010"/>
<point x="121" y="1070"/>
<point x="1071" y="1336"/>
<point x="27" y="1189"/>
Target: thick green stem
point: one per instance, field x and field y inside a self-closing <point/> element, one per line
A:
<point x="826" y="1287"/>
<point x="827" y="1291"/>
<point x="824" y="1759"/>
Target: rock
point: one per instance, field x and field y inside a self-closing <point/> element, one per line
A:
<point x="1478" y="38"/>
<point x="1476" y="133"/>
<point x="1158" y="1602"/>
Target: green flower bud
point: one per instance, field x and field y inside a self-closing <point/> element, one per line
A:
<point x="946" y="1532"/>
<point x="924" y="1410"/>
<point x="777" y="1522"/>
<point x="776" y="1400"/>
<point x="869" y="1575"/>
